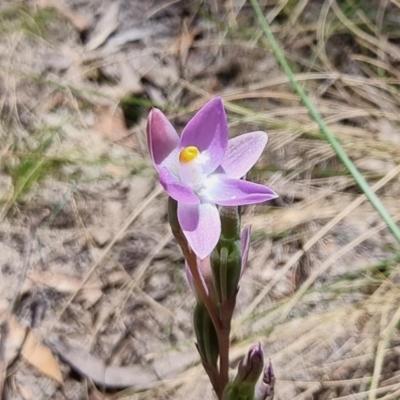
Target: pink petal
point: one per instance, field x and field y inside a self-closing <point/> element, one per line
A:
<point x="226" y="191"/>
<point x="208" y="131"/>
<point x="201" y="226"/>
<point x="243" y="152"/>
<point x="177" y="190"/>
<point x="162" y="139"/>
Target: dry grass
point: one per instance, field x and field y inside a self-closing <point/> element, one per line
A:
<point x="322" y="289"/>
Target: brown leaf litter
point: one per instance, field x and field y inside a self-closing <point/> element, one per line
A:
<point x="104" y="294"/>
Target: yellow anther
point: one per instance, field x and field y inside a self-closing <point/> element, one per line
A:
<point x="188" y="154"/>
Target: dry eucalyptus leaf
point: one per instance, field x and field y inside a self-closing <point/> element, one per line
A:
<point x="25" y="392"/>
<point x="62" y="283"/>
<point x="110" y="124"/>
<point x="94" y="368"/>
<point x="185" y="42"/>
<point x="107" y="24"/>
<point x="90" y="296"/>
<point x="90" y="293"/>
<point x="33" y="351"/>
<point x="134" y="34"/>
<point x="130" y="79"/>
<point x="374" y="165"/>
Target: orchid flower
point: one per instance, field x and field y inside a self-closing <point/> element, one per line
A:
<point x="202" y="169"/>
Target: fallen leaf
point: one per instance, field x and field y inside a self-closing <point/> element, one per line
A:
<point x="111" y="126"/>
<point x="33" y="351"/>
<point x="54" y="100"/>
<point x="61" y="283"/>
<point x="110" y="123"/>
<point x="90" y="296"/>
<point x="25" y="392"/>
<point x="118" y="173"/>
<point x="101" y="235"/>
<point x="388" y="131"/>
<point x="79" y="21"/>
<point x="94" y="368"/>
<point x="130" y="79"/>
<point x="90" y="293"/>
<point x="374" y="165"/>
<point x="134" y="34"/>
<point x="107" y="24"/>
<point x="185" y="42"/>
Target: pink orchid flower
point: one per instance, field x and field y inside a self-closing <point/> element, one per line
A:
<point x="202" y="169"/>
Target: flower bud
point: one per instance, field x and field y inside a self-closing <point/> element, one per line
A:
<point x="250" y="367"/>
<point x="230" y="223"/>
<point x="265" y="388"/>
<point x="226" y="259"/>
<point x="229" y="258"/>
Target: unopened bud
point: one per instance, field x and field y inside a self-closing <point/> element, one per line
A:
<point x="226" y="259"/>
<point x="230" y="223"/>
<point x="250" y="367"/>
<point x="265" y="388"/>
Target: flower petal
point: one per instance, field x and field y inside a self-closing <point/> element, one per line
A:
<point x="201" y="226"/>
<point x="226" y="191"/>
<point x="162" y="140"/>
<point x="208" y="131"/>
<point x="177" y="190"/>
<point x="243" y="152"/>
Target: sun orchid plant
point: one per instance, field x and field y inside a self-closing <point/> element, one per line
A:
<point x="202" y="172"/>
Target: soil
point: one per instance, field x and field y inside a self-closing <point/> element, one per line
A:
<point x="88" y="265"/>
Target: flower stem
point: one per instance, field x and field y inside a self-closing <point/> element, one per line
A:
<point x="222" y="326"/>
<point x="223" y="343"/>
<point x="223" y="338"/>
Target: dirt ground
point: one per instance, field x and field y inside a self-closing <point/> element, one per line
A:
<point x="94" y="302"/>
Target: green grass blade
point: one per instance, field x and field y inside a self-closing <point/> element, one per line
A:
<point x="362" y="183"/>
